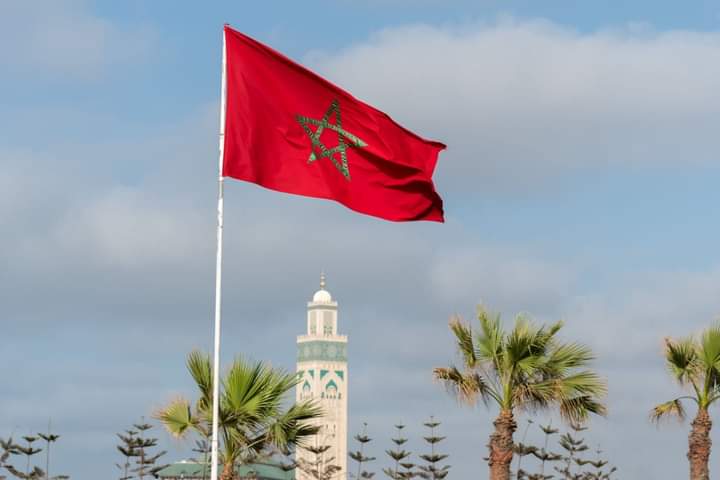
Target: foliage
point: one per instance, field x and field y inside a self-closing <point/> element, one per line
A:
<point x="526" y="368"/>
<point x="146" y="462"/>
<point x="431" y="470"/>
<point x="695" y="365"/>
<point x="573" y="466"/>
<point x="360" y="457"/>
<point x="399" y="454"/>
<point x="694" y="362"/>
<point x="9" y="449"/>
<point x="252" y="417"/>
<point x="202" y="446"/>
<point x="127" y="448"/>
<point x="573" y="446"/>
<point x="321" y="467"/>
<point x="49" y="438"/>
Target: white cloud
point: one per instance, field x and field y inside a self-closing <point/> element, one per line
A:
<point x="64" y="39"/>
<point x="499" y="276"/>
<point x="518" y="102"/>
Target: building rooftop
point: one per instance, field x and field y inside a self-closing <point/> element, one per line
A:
<point x="197" y="470"/>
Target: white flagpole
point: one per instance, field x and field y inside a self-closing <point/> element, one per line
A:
<point x="218" y="278"/>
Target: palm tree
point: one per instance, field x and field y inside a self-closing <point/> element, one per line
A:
<point x="525" y="369"/>
<point x="252" y="419"/>
<point x="695" y="364"/>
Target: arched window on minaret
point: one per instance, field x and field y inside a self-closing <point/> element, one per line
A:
<point x="313" y="323"/>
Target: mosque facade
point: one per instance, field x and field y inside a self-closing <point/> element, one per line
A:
<point x="322" y="370"/>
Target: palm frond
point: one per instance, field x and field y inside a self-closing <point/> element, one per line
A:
<point x="709" y="351"/>
<point x="295" y="426"/>
<point x="578" y="409"/>
<point x="526" y="368"/>
<point x="672" y="408"/>
<point x="200" y="368"/>
<point x="565" y="357"/>
<point x="491" y="338"/>
<point x="464" y="338"/>
<point x="177" y="418"/>
<point x="467" y="387"/>
<point x="681" y="357"/>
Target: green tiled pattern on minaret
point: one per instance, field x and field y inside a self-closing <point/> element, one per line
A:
<point x="322" y="350"/>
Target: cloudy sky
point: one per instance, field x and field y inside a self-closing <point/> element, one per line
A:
<point x="580" y="183"/>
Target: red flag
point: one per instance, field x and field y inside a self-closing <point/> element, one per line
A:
<point x="290" y="130"/>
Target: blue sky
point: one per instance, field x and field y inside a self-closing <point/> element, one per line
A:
<point x="580" y="183"/>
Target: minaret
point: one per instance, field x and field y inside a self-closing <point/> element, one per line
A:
<point x="322" y="369"/>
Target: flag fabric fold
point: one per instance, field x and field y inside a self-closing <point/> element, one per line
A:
<point x="290" y="130"/>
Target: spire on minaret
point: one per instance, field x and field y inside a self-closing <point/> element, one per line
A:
<point x="322" y="295"/>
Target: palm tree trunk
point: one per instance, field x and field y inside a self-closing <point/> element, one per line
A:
<point x="501" y="446"/>
<point x="228" y="473"/>
<point x="699" y="444"/>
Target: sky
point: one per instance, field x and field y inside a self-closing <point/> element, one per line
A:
<point x="580" y="183"/>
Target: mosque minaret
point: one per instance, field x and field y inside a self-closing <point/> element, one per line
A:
<point x="322" y="369"/>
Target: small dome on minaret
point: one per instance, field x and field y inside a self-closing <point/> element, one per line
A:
<point x="322" y="295"/>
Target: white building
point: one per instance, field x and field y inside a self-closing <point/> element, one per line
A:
<point x="322" y="368"/>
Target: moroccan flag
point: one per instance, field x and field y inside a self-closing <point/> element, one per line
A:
<point x="290" y="130"/>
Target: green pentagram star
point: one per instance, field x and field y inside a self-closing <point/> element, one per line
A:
<point x="345" y="139"/>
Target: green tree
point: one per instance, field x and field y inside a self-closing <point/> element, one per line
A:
<point x="10" y="448"/>
<point x="573" y="446"/>
<point x="49" y="440"/>
<point x="398" y="454"/>
<point x="359" y="455"/>
<point x="544" y="455"/>
<point x="526" y="369"/>
<point x="146" y="462"/>
<point x="128" y="449"/>
<point x="695" y="363"/>
<point x="431" y="470"/>
<point x="599" y="465"/>
<point x="322" y="466"/>
<point x="522" y="450"/>
<point x="408" y="471"/>
<point x="29" y="450"/>
<point x="203" y="447"/>
<point x="252" y="418"/>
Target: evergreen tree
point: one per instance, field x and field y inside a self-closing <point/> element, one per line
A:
<point x="203" y="447"/>
<point x="522" y="450"/>
<point x="146" y="462"/>
<point x="49" y="440"/>
<point x="321" y="467"/>
<point x="29" y="451"/>
<point x="573" y="446"/>
<point x="408" y="470"/>
<point x="128" y="448"/>
<point x="431" y="471"/>
<point x="599" y="465"/>
<point x="360" y="457"/>
<point x="10" y="448"/>
<point x="398" y="455"/>
<point x="545" y="455"/>
<point x="574" y="465"/>
<point x="540" y="453"/>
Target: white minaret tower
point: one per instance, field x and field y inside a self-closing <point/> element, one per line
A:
<point x="322" y="369"/>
